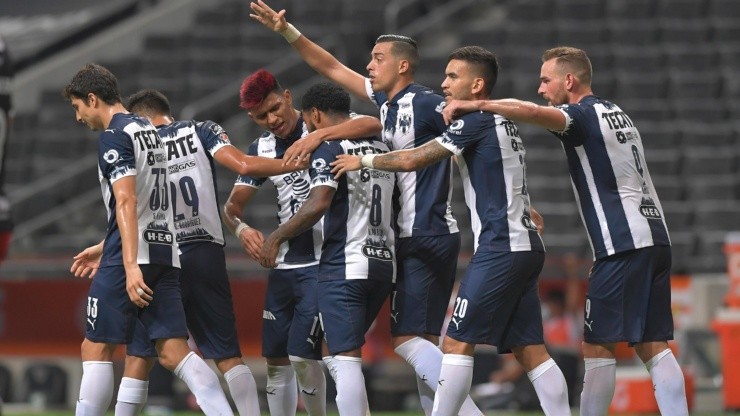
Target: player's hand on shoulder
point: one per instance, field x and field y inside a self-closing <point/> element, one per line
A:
<point x="300" y="151"/>
<point x="252" y="241"/>
<point x="456" y="108"/>
<point x="345" y="163"/>
<point x="271" y="19"/>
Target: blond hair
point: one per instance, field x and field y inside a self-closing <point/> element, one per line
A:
<point x="573" y="60"/>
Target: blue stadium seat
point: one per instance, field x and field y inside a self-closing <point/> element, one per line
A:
<point x="690" y="58"/>
<point x="725" y="30"/>
<point x="656" y="135"/>
<point x="669" y="188"/>
<point x="678" y="215"/>
<point x="713" y="187"/>
<point x="642" y="85"/>
<point x="579" y="9"/>
<point x="688" y="84"/>
<point x="588" y="36"/>
<point x="689" y="33"/>
<point x="700" y="160"/>
<point x="700" y="110"/>
<point x="710" y="136"/>
<point x="717" y="215"/>
<point x="630" y="9"/>
<point x="637" y="59"/>
<point x="681" y="9"/>
<point x="643" y="110"/>
<point x="724" y="8"/>
<point x="664" y="162"/>
<point x="635" y="32"/>
<point x="531" y="11"/>
<point x="683" y="245"/>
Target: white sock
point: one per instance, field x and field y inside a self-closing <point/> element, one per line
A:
<point x="204" y="385"/>
<point x="455" y="378"/>
<point x="668" y="381"/>
<point x="312" y="383"/>
<point x="96" y="388"/>
<point x="282" y="392"/>
<point x="426" y="359"/>
<point x="598" y="386"/>
<point x="549" y="383"/>
<point x="351" y="394"/>
<point x="132" y="394"/>
<point x="243" y="390"/>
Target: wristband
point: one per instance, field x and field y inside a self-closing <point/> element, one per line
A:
<point x="239" y="229"/>
<point x="367" y="161"/>
<point x="291" y="34"/>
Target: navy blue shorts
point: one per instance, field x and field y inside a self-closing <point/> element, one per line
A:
<point x="424" y="281"/>
<point x="629" y="298"/>
<point x="498" y="303"/>
<point x="209" y="310"/>
<point x="112" y="317"/>
<point x="290" y="321"/>
<point x="348" y="308"/>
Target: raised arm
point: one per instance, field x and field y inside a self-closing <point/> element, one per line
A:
<point x="310" y="213"/>
<point x="247" y="165"/>
<point x="407" y="160"/>
<point x="315" y="56"/>
<point x="516" y="110"/>
<point x="355" y="128"/>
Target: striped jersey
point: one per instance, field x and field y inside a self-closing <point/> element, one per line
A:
<point x="410" y="119"/>
<point x="616" y="197"/>
<point x="358" y="232"/>
<point x="292" y="190"/>
<point x="130" y="146"/>
<point x="490" y="155"/>
<point x="190" y="147"/>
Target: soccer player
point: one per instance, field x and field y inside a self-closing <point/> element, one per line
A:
<point x="138" y="276"/>
<point x="192" y="148"/>
<point x="497" y="302"/>
<point x="625" y="224"/>
<point x="357" y="267"/>
<point x="6" y="114"/>
<point x="428" y="237"/>
<point x="290" y="330"/>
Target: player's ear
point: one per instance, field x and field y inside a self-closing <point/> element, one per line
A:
<point x="315" y="115"/>
<point x="288" y="97"/>
<point x="478" y="85"/>
<point x="403" y="66"/>
<point x="91" y="100"/>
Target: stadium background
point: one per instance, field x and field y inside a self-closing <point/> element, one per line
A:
<point x="672" y="65"/>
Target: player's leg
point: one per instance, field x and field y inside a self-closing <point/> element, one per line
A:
<point x="666" y="374"/>
<point x="210" y="317"/>
<point x="524" y="336"/>
<point x="109" y="319"/>
<point x="277" y="318"/>
<point x="347" y="309"/>
<point x="140" y="358"/>
<point x="425" y="276"/>
<point x="164" y="319"/>
<point x="304" y="341"/>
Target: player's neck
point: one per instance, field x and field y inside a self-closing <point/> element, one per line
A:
<point x="575" y="97"/>
<point x="111" y="110"/>
<point x="397" y="87"/>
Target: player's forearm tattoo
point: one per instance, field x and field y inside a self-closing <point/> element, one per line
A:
<point x="412" y="159"/>
<point x="308" y="215"/>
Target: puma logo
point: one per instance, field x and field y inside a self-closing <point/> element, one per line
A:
<point x="456" y="322"/>
<point x="588" y="324"/>
<point x="312" y="393"/>
<point x="91" y="322"/>
<point x="394" y="316"/>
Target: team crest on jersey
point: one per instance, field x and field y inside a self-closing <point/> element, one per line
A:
<point x="111" y="156"/>
<point x="364" y="174"/>
<point x="528" y="223"/>
<point x="150" y="158"/>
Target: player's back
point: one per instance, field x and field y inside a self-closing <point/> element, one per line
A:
<point x="618" y="201"/>
<point x="131" y="146"/>
<point x="358" y="233"/>
<point x="190" y="147"/>
<point x="410" y="119"/>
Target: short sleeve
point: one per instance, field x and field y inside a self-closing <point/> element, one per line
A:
<point x="212" y="135"/>
<point x="464" y="132"/>
<point x="572" y="134"/>
<point x="320" y="169"/>
<point x="431" y="105"/>
<point x="116" y="155"/>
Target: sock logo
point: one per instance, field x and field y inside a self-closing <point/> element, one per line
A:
<point x="312" y="393"/>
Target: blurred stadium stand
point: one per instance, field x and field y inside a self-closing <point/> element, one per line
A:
<point x="672" y="65"/>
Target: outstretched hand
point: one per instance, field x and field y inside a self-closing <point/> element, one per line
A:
<point x="456" y="108"/>
<point x="271" y="19"/>
<point x="87" y="261"/>
<point x="345" y="163"/>
<point x="301" y="149"/>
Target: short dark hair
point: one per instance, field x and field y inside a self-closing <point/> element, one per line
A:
<point x="148" y="102"/>
<point x="256" y="87"/>
<point x="482" y="59"/>
<point x="326" y="97"/>
<point x="95" y="79"/>
<point x="403" y="47"/>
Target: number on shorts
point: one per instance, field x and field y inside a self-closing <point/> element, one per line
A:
<point x="588" y="308"/>
<point x="92" y="307"/>
<point x="461" y="307"/>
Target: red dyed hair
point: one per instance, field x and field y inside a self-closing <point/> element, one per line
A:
<point x="256" y="87"/>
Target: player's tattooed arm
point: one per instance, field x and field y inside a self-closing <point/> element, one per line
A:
<point x="310" y="213"/>
<point x="398" y="161"/>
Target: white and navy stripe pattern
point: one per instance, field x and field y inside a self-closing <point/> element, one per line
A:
<point x="359" y="239"/>
<point x="614" y="191"/>
<point x="410" y="119"/>
<point x="190" y="148"/>
<point x="490" y="155"/>
<point x="292" y="190"/>
<point x="130" y="146"/>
